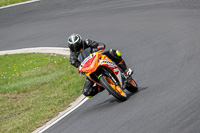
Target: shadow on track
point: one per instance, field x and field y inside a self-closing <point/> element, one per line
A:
<point x="114" y="100"/>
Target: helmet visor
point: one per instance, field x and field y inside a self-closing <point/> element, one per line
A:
<point x="75" y="47"/>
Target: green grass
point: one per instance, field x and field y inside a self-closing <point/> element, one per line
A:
<point x="34" y="88"/>
<point x="9" y="2"/>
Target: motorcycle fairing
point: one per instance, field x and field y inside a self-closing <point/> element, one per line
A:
<point x="94" y="60"/>
<point x="89" y="64"/>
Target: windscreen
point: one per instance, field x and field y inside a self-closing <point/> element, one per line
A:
<point x="84" y="54"/>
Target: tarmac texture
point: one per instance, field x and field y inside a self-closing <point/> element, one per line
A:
<point x="158" y="39"/>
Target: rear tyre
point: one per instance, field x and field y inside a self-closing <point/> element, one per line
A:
<point x="110" y="86"/>
<point x="132" y="86"/>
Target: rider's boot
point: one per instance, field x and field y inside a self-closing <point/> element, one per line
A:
<point x="125" y="68"/>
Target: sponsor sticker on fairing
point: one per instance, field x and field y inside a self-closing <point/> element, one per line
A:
<point x="110" y="63"/>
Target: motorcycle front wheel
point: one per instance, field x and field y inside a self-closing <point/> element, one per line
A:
<point x="113" y="89"/>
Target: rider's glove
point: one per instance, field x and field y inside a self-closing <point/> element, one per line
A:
<point x="101" y="47"/>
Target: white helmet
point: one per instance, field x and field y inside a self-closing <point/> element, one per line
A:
<point x="75" y="42"/>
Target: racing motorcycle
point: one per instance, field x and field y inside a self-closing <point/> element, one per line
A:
<point x="105" y="73"/>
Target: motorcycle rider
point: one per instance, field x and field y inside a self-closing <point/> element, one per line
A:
<point x="77" y="44"/>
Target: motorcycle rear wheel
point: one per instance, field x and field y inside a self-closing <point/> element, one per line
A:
<point x="110" y="86"/>
<point x="132" y="86"/>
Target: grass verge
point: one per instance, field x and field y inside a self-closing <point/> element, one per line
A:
<point x="34" y="88"/>
<point x="9" y="2"/>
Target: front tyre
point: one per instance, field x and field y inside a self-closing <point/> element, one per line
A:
<point x="110" y="86"/>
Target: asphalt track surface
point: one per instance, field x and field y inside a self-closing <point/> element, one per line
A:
<point x="159" y="39"/>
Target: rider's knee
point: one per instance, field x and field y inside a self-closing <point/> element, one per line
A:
<point x="115" y="53"/>
<point x="90" y="91"/>
<point x="86" y="91"/>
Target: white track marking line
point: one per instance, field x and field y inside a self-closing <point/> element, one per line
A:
<point x="63" y="115"/>
<point x="22" y="3"/>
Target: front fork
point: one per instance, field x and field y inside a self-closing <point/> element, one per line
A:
<point x="106" y="73"/>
